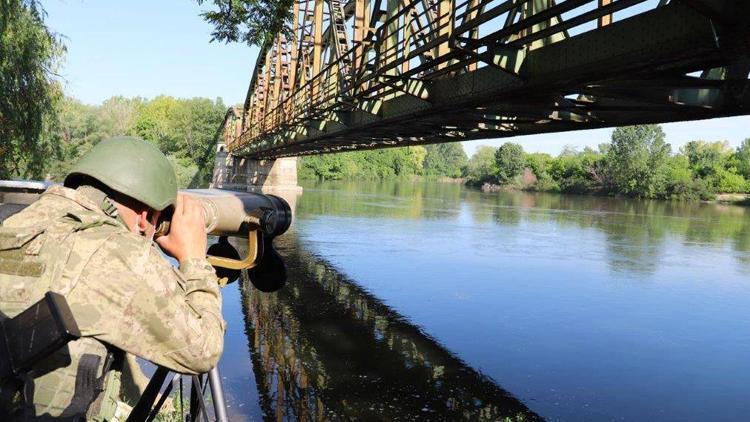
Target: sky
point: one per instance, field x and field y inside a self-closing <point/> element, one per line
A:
<point x="146" y="48"/>
<point x="153" y="47"/>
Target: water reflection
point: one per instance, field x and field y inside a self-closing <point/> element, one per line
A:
<point x="635" y="231"/>
<point x="405" y="199"/>
<point x="323" y="348"/>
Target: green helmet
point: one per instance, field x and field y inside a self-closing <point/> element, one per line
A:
<point x="132" y="167"/>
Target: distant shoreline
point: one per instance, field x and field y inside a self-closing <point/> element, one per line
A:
<point x="740" y="199"/>
<point x="732" y="199"/>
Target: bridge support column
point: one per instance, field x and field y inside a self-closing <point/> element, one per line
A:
<point x="278" y="177"/>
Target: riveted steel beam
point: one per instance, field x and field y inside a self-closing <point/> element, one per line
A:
<point x="382" y="73"/>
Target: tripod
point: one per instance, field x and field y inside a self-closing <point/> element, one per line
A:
<point x="148" y="407"/>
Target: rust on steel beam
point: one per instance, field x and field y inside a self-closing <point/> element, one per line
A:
<point x="367" y="74"/>
<point x="294" y="45"/>
<point x="605" y="20"/>
<point x="317" y="53"/>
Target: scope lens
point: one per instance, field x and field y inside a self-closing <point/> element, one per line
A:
<point x="269" y="221"/>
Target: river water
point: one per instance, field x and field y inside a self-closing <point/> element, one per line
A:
<point x="417" y="300"/>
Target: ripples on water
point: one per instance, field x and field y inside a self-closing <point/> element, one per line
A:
<point x="430" y="301"/>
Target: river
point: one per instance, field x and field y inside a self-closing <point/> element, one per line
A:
<point x="419" y="300"/>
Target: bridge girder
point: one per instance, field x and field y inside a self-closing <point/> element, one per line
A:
<point x="384" y="73"/>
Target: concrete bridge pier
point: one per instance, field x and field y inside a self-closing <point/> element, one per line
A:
<point x="277" y="177"/>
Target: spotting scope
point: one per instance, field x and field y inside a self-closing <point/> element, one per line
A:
<point x="230" y="213"/>
<point x="259" y="218"/>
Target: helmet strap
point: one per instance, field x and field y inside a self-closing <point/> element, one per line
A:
<point x="106" y="204"/>
<point x="109" y="207"/>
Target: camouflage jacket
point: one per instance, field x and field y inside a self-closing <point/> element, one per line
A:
<point x="121" y="289"/>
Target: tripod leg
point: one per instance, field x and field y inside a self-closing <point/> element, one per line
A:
<point x="164" y="397"/>
<point x="217" y="393"/>
<point x="197" y="404"/>
<point x="142" y="409"/>
<point x="182" y="404"/>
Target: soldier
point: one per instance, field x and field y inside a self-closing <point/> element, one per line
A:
<point x="91" y="240"/>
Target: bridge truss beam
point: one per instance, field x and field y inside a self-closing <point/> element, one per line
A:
<point x="380" y="73"/>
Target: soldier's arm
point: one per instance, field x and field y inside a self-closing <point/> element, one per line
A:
<point x="130" y="297"/>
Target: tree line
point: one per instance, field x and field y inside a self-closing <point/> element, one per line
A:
<point x="439" y="160"/>
<point x="184" y="129"/>
<point x="637" y="163"/>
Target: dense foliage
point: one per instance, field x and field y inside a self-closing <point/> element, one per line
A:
<point x="254" y="22"/>
<point x="29" y="55"/>
<point x="376" y="164"/>
<point x="440" y="160"/>
<point x="42" y="133"/>
<point x="447" y="159"/>
<point x="509" y="159"/>
<point x="638" y="162"/>
<point x="481" y="168"/>
<point x="184" y="129"/>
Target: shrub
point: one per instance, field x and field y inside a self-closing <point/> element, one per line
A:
<point x="730" y="182"/>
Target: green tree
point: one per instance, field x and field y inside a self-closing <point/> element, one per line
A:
<point x="184" y="129"/>
<point x="375" y="164"/>
<point x="576" y="171"/>
<point x="411" y="161"/>
<point x="156" y="122"/>
<point x="254" y="22"/>
<point x="680" y="181"/>
<point x="637" y="161"/>
<point x="78" y="130"/>
<point x="742" y="158"/>
<point x="481" y="167"/>
<point x="706" y="158"/>
<point x="82" y="126"/>
<point x="118" y="114"/>
<point x="509" y="160"/>
<point x="539" y="163"/>
<point x="445" y="159"/>
<point x="29" y="56"/>
<point x="727" y="181"/>
<point x="323" y="167"/>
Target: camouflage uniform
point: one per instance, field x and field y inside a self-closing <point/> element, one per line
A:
<point x="122" y="291"/>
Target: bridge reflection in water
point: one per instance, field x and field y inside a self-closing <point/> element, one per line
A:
<point x="324" y="348"/>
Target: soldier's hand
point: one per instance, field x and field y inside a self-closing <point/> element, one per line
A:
<point x="187" y="233"/>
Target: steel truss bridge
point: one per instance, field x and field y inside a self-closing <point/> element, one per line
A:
<point x="380" y="73"/>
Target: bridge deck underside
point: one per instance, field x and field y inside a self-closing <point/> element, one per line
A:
<point x="685" y="60"/>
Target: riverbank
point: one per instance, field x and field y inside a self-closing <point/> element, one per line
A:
<point x="733" y="198"/>
<point x="741" y="199"/>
